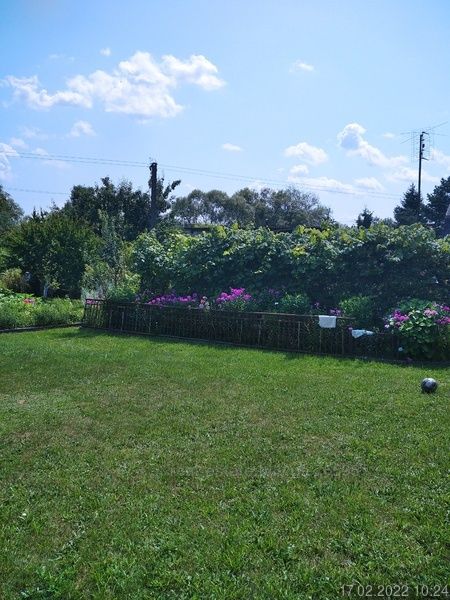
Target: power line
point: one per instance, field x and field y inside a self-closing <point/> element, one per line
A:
<point x="193" y="171"/>
<point x="37" y="191"/>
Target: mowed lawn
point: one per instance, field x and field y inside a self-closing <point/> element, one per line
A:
<point x="139" y="468"/>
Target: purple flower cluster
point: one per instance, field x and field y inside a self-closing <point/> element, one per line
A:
<point x="235" y="295"/>
<point x="397" y="319"/>
<point x="337" y="312"/>
<point x="437" y="314"/>
<point x="173" y="300"/>
<point x="443" y="319"/>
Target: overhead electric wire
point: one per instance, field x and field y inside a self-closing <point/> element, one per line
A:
<point x="14" y="189"/>
<point x="193" y="171"/>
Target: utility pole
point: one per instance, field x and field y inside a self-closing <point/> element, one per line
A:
<point x="152" y="183"/>
<point x="425" y="147"/>
<point x="421" y="157"/>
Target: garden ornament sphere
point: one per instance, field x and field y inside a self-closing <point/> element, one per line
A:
<point x="428" y="385"/>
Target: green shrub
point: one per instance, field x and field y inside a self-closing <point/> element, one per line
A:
<point x="298" y="304"/>
<point x="14" y="315"/>
<point x="20" y="310"/>
<point x="126" y="290"/>
<point x="12" y="279"/>
<point x="59" y="311"/>
<point x="362" y="309"/>
<point x="414" y="304"/>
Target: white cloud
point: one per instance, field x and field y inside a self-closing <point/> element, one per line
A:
<point x="81" y="128"/>
<point x="441" y="158"/>
<point x="138" y="86"/>
<point x="37" y="97"/>
<point x="257" y="185"/>
<point x="18" y="143"/>
<point x="197" y="70"/>
<point x="57" y="164"/>
<point x="411" y="175"/>
<point x="388" y="135"/>
<point x="310" y="154"/>
<point x="31" y="133"/>
<point x="40" y="152"/>
<point x="6" y="152"/>
<point x="328" y="184"/>
<point x="231" y="147"/>
<point x="299" y="65"/>
<point x="325" y="184"/>
<point x="105" y="51"/>
<point x="369" y="183"/>
<point x="351" y="139"/>
<point x="299" y="170"/>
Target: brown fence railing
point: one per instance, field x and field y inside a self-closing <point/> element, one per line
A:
<point x="296" y="333"/>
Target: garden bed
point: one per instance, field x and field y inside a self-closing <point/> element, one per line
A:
<point x="21" y="312"/>
<point x="277" y="331"/>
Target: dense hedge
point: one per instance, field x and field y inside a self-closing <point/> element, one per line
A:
<point x="384" y="263"/>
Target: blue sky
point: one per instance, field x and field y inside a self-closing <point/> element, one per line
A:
<point x="318" y="94"/>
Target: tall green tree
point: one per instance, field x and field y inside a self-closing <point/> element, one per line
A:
<point x="107" y="274"/>
<point x="10" y="212"/>
<point x="127" y="206"/>
<point x="53" y="248"/>
<point x="276" y="209"/>
<point x="437" y="204"/>
<point x="365" y="219"/>
<point x="213" y="207"/>
<point x="411" y="208"/>
<point x="111" y="250"/>
<point x="164" y="197"/>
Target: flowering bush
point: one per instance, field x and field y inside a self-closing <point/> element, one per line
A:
<point x="267" y="300"/>
<point x="424" y="332"/>
<point x="237" y="299"/>
<point x="173" y="299"/>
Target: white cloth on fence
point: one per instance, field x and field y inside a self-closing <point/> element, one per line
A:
<point x="327" y="321"/>
<point x="356" y="333"/>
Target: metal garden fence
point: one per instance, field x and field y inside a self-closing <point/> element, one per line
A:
<point x="295" y="333"/>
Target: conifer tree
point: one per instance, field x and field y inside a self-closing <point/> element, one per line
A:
<point x="411" y="209"/>
<point x="437" y="205"/>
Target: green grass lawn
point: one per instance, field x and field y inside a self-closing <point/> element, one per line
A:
<point x="142" y="468"/>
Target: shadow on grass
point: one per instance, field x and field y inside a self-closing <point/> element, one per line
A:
<point x="84" y="333"/>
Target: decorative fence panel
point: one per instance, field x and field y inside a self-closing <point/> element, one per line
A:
<point x="296" y="333"/>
